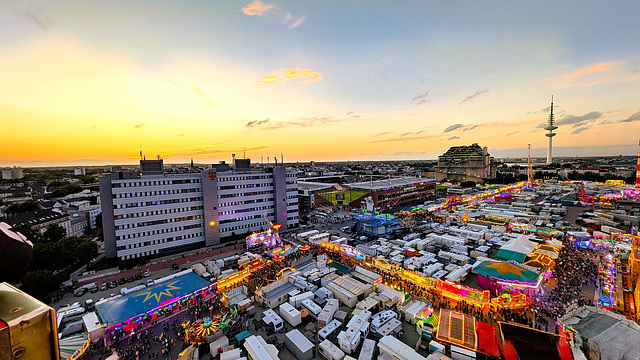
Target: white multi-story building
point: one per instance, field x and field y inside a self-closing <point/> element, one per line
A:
<point x="12" y="173"/>
<point x="154" y="214"/>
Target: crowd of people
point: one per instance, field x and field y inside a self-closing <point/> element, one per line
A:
<point x="574" y="269"/>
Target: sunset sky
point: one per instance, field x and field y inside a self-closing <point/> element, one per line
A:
<point x="92" y="82"/>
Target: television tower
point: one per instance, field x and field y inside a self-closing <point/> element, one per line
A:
<point x="529" y="166"/>
<point x="550" y="134"/>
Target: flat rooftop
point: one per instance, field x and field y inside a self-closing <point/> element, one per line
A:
<point x="376" y="185"/>
<point x="309" y="185"/>
<point x="280" y="290"/>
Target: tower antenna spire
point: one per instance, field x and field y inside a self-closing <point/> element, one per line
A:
<point x="529" y="166"/>
<point x="550" y="127"/>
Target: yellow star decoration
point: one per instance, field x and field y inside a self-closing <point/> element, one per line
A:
<point x="505" y="268"/>
<point x="166" y="291"/>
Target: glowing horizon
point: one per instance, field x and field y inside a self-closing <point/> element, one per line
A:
<point x="91" y="84"/>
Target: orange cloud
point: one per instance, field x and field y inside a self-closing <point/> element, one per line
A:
<point x="592" y="69"/>
<point x="266" y="80"/>
<point x="297" y="23"/>
<point x="257" y="8"/>
<point x="291" y="73"/>
<point x="298" y="72"/>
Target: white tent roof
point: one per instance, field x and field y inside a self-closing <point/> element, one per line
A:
<point x="521" y="245"/>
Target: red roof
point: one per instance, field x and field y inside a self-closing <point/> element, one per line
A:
<point x="487" y="341"/>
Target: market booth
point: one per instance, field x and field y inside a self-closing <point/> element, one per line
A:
<point x="499" y="277"/>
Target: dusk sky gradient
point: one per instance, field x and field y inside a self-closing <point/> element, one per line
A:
<point x="88" y="82"/>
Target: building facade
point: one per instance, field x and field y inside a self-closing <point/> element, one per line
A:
<point x="388" y="193"/>
<point x="13" y="173"/>
<point x="466" y="163"/>
<point x="151" y="215"/>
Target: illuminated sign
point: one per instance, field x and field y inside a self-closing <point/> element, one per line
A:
<point x="460" y="292"/>
<point x="212" y="175"/>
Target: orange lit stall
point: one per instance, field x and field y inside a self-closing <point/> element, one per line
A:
<point x="252" y="265"/>
<point x="418" y="279"/>
<point x="458" y="292"/>
<point x="233" y="280"/>
<point x="330" y="246"/>
<point x="510" y="301"/>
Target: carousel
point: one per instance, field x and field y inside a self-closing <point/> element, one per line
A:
<point x="195" y="332"/>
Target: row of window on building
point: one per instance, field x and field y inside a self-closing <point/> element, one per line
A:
<point x="252" y="193"/>
<point x="157" y="212"/>
<point x="154" y="183"/>
<point x="155" y="193"/>
<point x="156" y="232"/>
<point x="239" y="211"/>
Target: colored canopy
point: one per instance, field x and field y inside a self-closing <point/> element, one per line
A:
<point x="71" y="344"/>
<point x="506" y="271"/>
<point x="121" y="308"/>
<point x="516" y="249"/>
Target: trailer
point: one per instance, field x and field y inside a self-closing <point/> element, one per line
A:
<point x="233" y="354"/>
<point x="396" y="349"/>
<point x="368" y="350"/>
<point x="357" y="329"/>
<point x="329" y="351"/>
<point x="216" y="346"/>
<point x="413" y="311"/>
<point x="330" y="331"/>
<point x="290" y="314"/>
<point x="299" y="346"/>
<point x="312" y="307"/>
<point x="327" y="313"/>
<point x="305" y="235"/>
<point x="258" y="349"/>
<point x="392" y="327"/>
<point x="271" y="320"/>
<point x="382" y="318"/>
<point x="296" y="301"/>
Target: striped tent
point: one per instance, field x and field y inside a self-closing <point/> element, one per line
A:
<point x="73" y="346"/>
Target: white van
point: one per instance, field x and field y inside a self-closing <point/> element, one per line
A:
<point x="329" y="351"/>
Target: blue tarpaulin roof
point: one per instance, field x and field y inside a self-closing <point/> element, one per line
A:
<point x="121" y="308"/>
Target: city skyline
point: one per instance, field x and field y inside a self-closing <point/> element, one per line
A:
<point x="92" y="84"/>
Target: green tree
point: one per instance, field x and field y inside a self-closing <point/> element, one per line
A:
<point x="66" y="189"/>
<point x="87" y="179"/>
<point x="39" y="283"/>
<point x="24" y="207"/>
<point x="30" y="233"/>
<point x="54" y="233"/>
